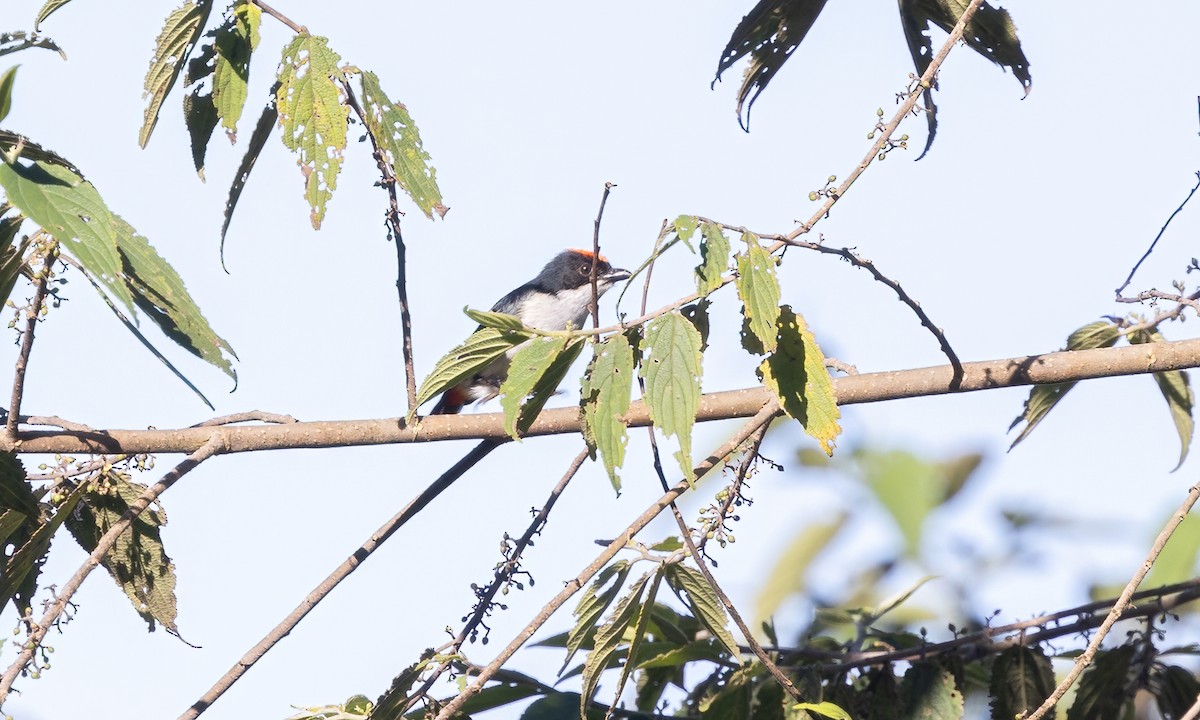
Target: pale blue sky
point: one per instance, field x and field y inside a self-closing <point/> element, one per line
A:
<point x="1012" y="232"/>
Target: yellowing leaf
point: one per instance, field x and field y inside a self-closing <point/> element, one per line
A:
<point x="714" y="258"/>
<point x="671" y="368"/>
<point x="796" y="373"/>
<point x="312" y="116"/>
<point x="175" y="42"/>
<point x="1043" y="398"/>
<point x="234" y="43"/>
<point x="759" y="290"/>
<point x="826" y="708"/>
<point x="607" y="387"/>
<point x="400" y="142"/>
<point x="1177" y="391"/>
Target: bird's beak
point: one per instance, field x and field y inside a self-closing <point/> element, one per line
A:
<point x="616" y="275"/>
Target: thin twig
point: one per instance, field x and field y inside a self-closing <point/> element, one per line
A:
<point x="295" y="27"/>
<point x="574" y="585"/>
<point x="1158" y="319"/>
<point x="595" y="306"/>
<point x="1119" y="607"/>
<point x="503" y="574"/>
<point x="1157" y="237"/>
<point x="249" y="416"/>
<point x="54" y="421"/>
<point x="388" y="183"/>
<point x="1154" y="296"/>
<point x="103" y="546"/>
<point x="32" y="317"/>
<point x="351" y="563"/>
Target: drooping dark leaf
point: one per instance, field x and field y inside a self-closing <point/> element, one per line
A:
<point x="1176" y="390"/>
<point x="175" y="42"/>
<point x="258" y="140"/>
<point x="9" y="141"/>
<point x="138" y="561"/>
<point x="990" y="33"/>
<point x="1022" y="679"/>
<point x="30" y="543"/>
<point x="1043" y="398"/>
<point x="1103" y="692"/>
<point x="768" y="34"/>
<point x="398" y="139"/>
<point x="1175" y="690"/>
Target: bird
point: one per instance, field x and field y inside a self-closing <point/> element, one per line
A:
<point x="558" y="298"/>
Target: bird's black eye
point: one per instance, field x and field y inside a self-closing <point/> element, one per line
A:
<point x="585" y="269"/>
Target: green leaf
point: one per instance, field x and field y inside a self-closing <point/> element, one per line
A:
<point x="137" y="562"/>
<point x="12" y="257"/>
<point x="796" y="373"/>
<point x="607" y="387"/>
<point x="175" y="42"/>
<point x="704" y="603"/>
<point x="19" y="575"/>
<point x="10" y="141"/>
<point x="828" y="709"/>
<point x="1176" y="390"/>
<point x="714" y="258"/>
<point x="759" y="290"/>
<point x="910" y="487"/>
<point x="6" y="88"/>
<point x="592" y="604"/>
<point x="313" y="117"/>
<point x="669" y="544"/>
<point x="358" y="705"/>
<point x="159" y="292"/>
<point x="1022" y="679"/>
<point x="671" y="369"/>
<point x="475" y="353"/>
<point x="990" y="33"/>
<point x="928" y="692"/>
<point x="899" y="598"/>
<point x="1175" y="690"/>
<point x="608" y="638"/>
<point x="639" y="634"/>
<point x="258" y="140"/>
<point x="234" y="42"/>
<point x="769" y="34"/>
<point x="685" y="227"/>
<point x="500" y="321"/>
<point x="560" y="706"/>
<point x="708" y="649"/>
<point x="788" y="576"/>
<point x="529" y="365"/>
<point x="494" y="696"/>
<point x="1178" y="558"/>
<point x="47" y="10"/>
<point x="1043" y="398"/>
<point x="70" y="209"/>
<point x="400" y="142"/>
<point x="1103" y="690"/>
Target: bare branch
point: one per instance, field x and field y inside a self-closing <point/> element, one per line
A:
<point x="351" y="563"/>
<point x="248" y="416"/>
<point x="103" y="546"/>
<point x="295" y="27"/>
<point x="1158" y="237"/>
<point x="1055" y="367"/>
<point x="595" y="306"/>
<point x="33" y="315"/>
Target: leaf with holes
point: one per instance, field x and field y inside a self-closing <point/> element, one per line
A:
<point x="928" y="692"/>
<point x="400" y="142"/>
<point x="476" y="352"/>
<point x="175" y="42"/>
<point x="796" y="373"/>
<point x="759" y="290"/>
<point x="671" y="368"/>
<point x="313" y="117"/>
<point x="21" y="569"/>
<point x="607" y="387"/>
<point x="714" y="258"/>
<point x="1043" y="398"/>
<point x="1177" y="391"/>
<point x="137" y="562"/>
<point x="234" y="42"/>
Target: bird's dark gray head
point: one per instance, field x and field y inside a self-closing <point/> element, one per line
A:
<point x="571" y="269"/>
